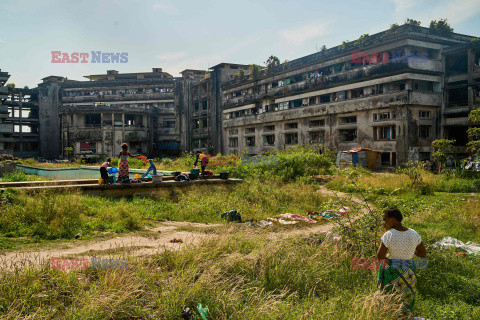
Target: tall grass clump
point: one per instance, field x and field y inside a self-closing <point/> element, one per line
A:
<point x="301" y="162"/>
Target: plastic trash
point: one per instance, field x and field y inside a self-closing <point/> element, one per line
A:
<point x="202" y="311"/>
<point x="143" y="158"/>
<point x="112" y="170"/>
<point x="232" y="215"/>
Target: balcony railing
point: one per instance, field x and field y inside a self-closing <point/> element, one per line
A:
<point x="322" y="82"/>
<point x="120" y="97"/>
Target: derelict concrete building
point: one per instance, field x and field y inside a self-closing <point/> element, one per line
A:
<point x="383" y="91"/>
<point x="97" y="116"/>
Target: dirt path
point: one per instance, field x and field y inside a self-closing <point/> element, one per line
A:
<point x="159" y="239"/>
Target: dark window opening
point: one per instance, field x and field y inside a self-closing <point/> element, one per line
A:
<point x="291" y="138"/>
<point x="325" y="98"/>
<point x="348" y="135"/>
<point x="456" y="64"/>
<point x="457" y="133"/>
<point x="269" y="140"/>
<point x="424" y="132"/>
<point x="312" y="101"/>
<point x="351" y="119"/>
<point x="291" y="125"/>
<point x="92" y="119"/>
<point x="250" y="141"/>
<point x="458" y="97"/>
<point x="317" y="123"/>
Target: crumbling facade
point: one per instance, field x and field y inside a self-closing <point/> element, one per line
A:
<point x="395" y="91"/>
<point x="24" y="117"/>
<point x="95" y="117"/>
<point x="461" y="92"/>
<point x="6" y="129"/>
<point x="384" y="93"/>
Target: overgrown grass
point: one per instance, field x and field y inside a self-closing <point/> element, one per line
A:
<point x="54" y="216"/>
<point x="239" y="276"/>
<point x="19" y="176"/>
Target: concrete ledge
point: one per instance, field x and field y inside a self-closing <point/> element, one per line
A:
<point x="128" y="189"/>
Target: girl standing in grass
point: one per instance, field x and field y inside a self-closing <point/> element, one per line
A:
<point x="399" y="275"/>
<point x="123" y="172"/>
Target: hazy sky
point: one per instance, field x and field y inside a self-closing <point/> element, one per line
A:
<point x="196" y="34"/>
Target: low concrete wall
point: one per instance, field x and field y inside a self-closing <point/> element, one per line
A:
<point x="129" y="189"/>
<point x="81" y="172"/>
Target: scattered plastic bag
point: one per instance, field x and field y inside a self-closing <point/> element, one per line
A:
<point x="202" y="311"/>
<point x="232" y="215"/>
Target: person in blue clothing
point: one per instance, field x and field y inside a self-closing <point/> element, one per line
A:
<point x="151" y="168"/>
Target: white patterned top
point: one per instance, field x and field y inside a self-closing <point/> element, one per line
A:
<point x="401" y="244"/>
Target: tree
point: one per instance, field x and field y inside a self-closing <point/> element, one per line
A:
<point x="441" y="27"/>
<point x="26" y="88"/>
<point x="68" y="151"/>
<point x="272" y="62"/>
<point x="412" y="22"/>
<point x="11" y="85"/>
<point x="473" y="145"/>
<point x="255" y="70"/>
<point x="442" y="152"/>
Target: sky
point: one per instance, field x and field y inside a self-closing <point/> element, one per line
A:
<point x="196" y="34"/>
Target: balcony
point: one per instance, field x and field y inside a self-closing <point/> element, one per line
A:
<point x="120" y="97"/>
<point x="364" y="73"/>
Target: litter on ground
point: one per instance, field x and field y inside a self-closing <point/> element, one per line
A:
<point x="469" y="247"/>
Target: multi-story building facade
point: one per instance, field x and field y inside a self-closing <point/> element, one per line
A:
<point x="382" y="92"/>
<point x="462" y="91"/>
<point x="204" y="107"/>
<point x="97" y="116"/>
<point x="395" y="91"/>
<point x="23" y="116"/>
<point x="6" y="129"/>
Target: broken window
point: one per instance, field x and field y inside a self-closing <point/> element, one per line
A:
<point x="291" y="125"/>
<point x="458" y="97"/>
<point x="269" y="139"/>
<point x="347" y="135"/>
<point x="325" y="98"/>
<point x="249" y="130"/>
<point x="233" y="132"/>
<point x="456" y="64"/>
<point x="204" y="105"/>
<point x="269" y="128"/>
<point x="291" y="138"/>
<point x="350" y="119"/>
<point x="317" y="123"/>
<point x="384" y="133"/>
<point x="233" y="142"/>
<point x="196" y="106"/>
<point x="381" y="116"/>
<point x="316" y="136"/>
<point x="424" y="114"/>
<point x="295" y="103"/>
<point x="92" y="120"/>
<point x="250" y="141"/>
<point x="424" y="132"/>
<point x="312" y="100"/>
<point x="205" y="123"/>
